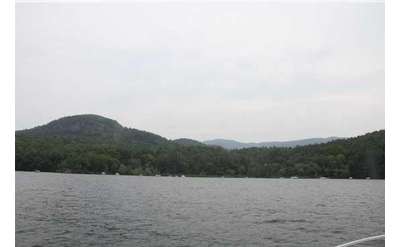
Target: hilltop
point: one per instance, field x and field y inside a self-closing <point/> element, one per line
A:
<point x="95" y="144"/>
<point x="188" y="142"/>
<point x="95" y="129"/>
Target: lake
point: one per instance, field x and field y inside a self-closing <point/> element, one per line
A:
<point x="104" y="210"/>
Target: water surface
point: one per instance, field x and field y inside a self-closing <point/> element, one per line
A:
<point x="102" y="210"/>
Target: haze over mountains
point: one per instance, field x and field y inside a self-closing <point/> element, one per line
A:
<point x="232" y="144"/>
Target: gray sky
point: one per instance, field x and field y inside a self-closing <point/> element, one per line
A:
<point x="249" y="71"/>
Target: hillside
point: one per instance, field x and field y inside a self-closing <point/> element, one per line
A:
<point x="232" y="144"/>
<point x="94" y="144"/>
<point x="91" y="128"/>
<point x="188" y="142"/>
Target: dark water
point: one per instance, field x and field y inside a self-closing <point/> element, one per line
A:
<point x="101" y="210"/>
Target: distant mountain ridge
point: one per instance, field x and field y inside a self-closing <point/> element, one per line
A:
<point x="99" y="129"/>
<point x="232" y="144"/>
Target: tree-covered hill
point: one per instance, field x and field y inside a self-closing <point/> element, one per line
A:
<point x="91" y="128"/>
<point x="94" y="144"/>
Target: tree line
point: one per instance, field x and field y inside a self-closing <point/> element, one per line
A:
<point x="358" y="157"/>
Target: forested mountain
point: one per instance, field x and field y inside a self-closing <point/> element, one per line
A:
<point x="93" y="129"/>
<point x="232" y="144"/>
<point x="94" y="144"/>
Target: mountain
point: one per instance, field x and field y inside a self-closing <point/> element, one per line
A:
<point x="188" y="142"/>
<point x="99" y="129"/>
<point x="95" y="144"/>
<point x="92" y="128"/>
<point x="232" y="144"/>
<point x="227" y="144"/>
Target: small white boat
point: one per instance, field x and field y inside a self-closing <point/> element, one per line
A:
<point x="183" y="176"/>
<point x="158" y="175"/>
<point x="103" y="173"/>
<point x="350" y="177"/>
<point x="294" y="177"/>
<point x="117" y="173"/>
<point x="37" y="170"/>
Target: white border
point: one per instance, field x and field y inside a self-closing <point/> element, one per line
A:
<point x="392" y="122"/>
<point x="7" y="123"/>
<point x="198" y="1"/>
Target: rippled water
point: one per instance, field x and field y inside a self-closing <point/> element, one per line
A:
<point x="101" y="210"/>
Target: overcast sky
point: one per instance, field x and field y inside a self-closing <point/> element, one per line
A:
<point x="250" y="71"/>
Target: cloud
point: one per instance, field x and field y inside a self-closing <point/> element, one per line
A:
<point x="247" y="71"/>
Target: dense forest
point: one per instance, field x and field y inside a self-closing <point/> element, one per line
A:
<point x="94" y="144"/>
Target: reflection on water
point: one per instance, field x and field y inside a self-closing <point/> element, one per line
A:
<point x="100" y="210"/>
